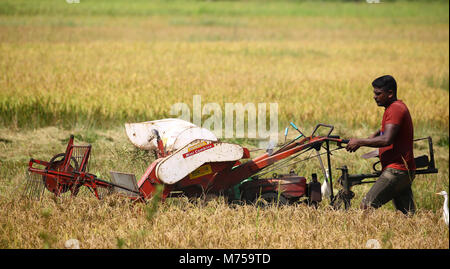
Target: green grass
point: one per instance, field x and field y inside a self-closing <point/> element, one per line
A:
<point x="116" y="8"/>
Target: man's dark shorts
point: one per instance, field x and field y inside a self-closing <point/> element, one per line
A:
<point x="392" y="185"/>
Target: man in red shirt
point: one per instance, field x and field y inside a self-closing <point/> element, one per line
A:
<point x="395" y="143"/>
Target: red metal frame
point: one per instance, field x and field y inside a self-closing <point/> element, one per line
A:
<point x="61" y="177"/>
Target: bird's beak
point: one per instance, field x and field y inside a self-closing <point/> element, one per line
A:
<point x="438" y="193"/>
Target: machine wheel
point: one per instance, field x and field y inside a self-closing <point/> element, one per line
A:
<point x="270" y="198"/>
<point x="56" y="163"/>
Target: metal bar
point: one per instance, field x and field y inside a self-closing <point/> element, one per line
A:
<point x="321" y="165"/>
<point x="72" y="176"/>
<point x="285" y="162"/>
<point x="430" y="147"/>
<point x="289" y="143"/>
<point x="364" y="182"/>
<point x="85" y="158"/>
<point x="68" y="153"/>
<point x="426" y="171"/>
<point x="67" y="158"/>
<point x="295" y="156"/>
<point x="329" y="170"/>
<point x="296" y="128"/>
<point x="262" y="162"/>
<point x="44" y="163"/>
<point x="324" y="125"/>
<point x="308" y="158"/>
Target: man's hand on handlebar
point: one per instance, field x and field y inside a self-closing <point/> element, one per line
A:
<point x="353" y="145"/>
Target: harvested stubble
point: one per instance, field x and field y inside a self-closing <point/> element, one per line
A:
<point x="114" y="223"/>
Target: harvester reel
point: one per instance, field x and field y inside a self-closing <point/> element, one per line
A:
<point x="52" y="184"/>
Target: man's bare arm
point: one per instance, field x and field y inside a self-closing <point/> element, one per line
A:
<point x="377" y="133"/>
<point x="386" y="139"/>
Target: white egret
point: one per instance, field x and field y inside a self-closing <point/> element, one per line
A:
<point x="445" y="214"/>
<point x="72" y="244"/>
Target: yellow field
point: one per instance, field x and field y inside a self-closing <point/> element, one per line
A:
<point x="311" y="81"/>
<point x="317" y="68"/>
<point x="89" y="68"/>
<point x="115" y="223"/>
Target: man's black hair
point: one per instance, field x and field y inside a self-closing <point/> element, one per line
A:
<point x="386" y="83"/>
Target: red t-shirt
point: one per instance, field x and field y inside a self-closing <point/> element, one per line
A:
<point x="400" y="154"/>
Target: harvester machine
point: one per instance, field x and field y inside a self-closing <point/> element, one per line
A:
<point x="191" y="161"/>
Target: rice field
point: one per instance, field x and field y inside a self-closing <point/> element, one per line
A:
<point x="88" y="68"/>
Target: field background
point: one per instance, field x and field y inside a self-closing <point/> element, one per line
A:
<point x="88" y="68"/>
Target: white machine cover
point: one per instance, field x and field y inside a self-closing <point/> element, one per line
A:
<point x="175" y="134"/>
<point x="186" y="160"/>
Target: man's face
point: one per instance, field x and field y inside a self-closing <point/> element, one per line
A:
<point x="382" y="97"/>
